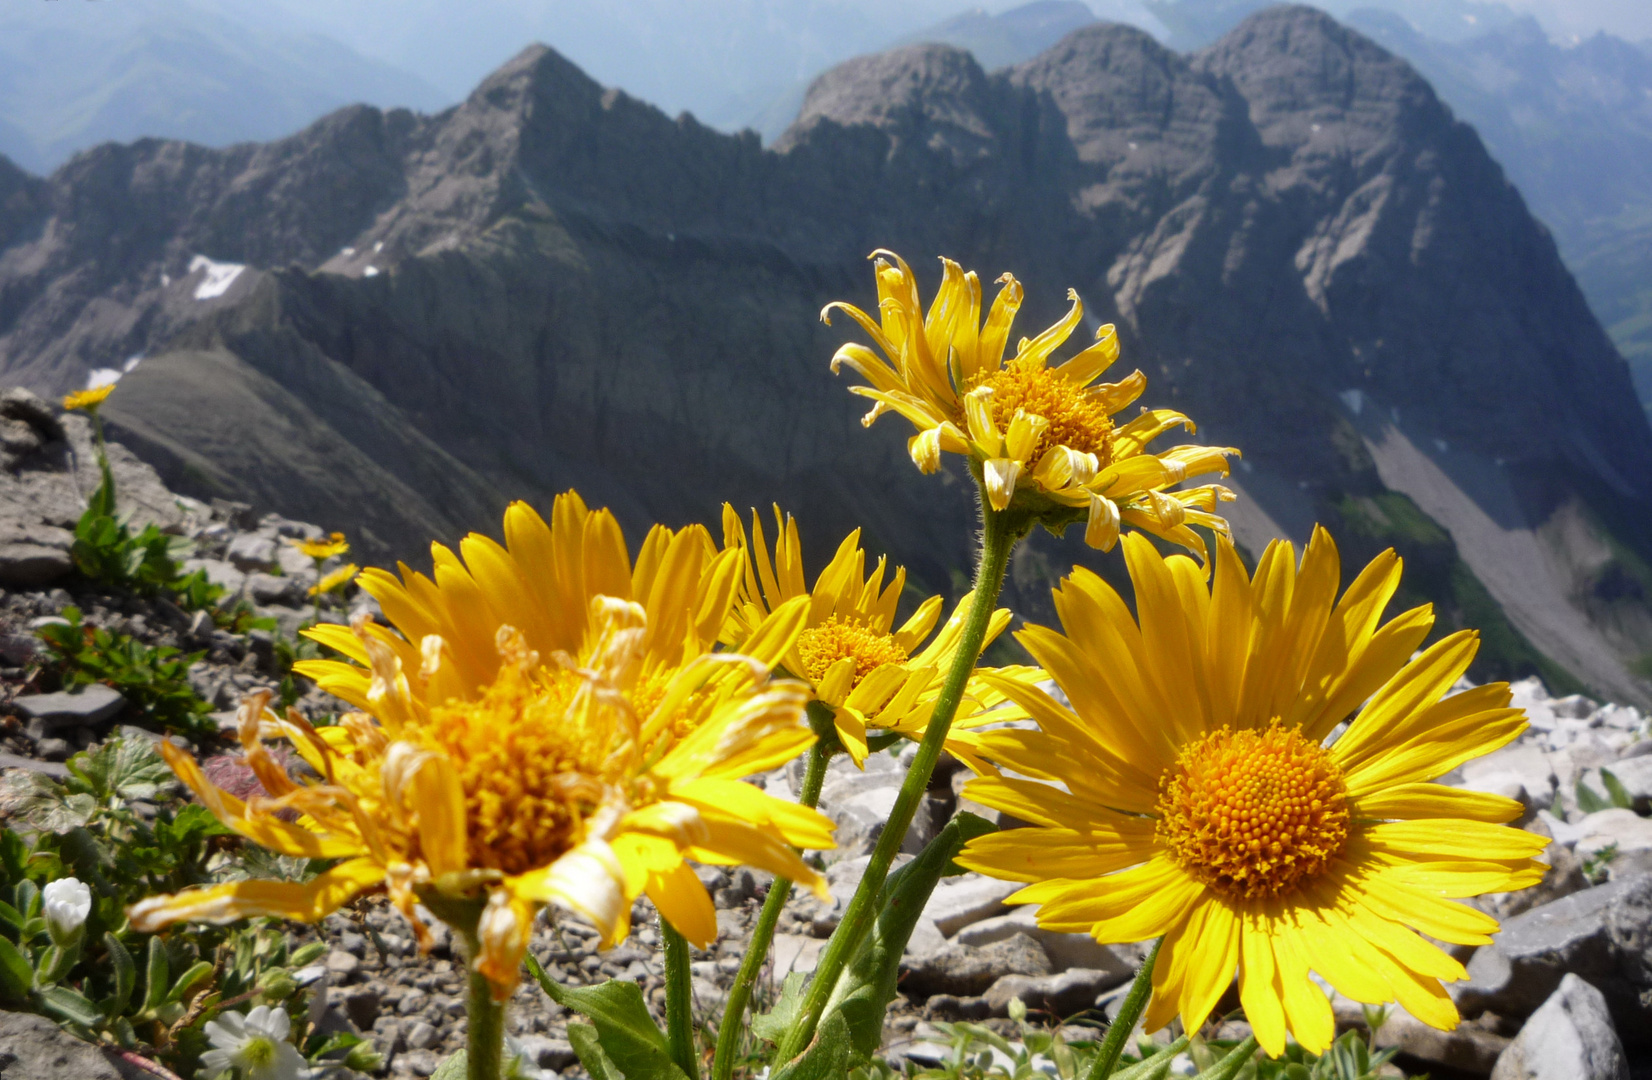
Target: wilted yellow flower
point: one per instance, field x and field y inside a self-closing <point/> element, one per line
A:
<point x="538" y="736"/>
<point x="88" y="400"/>
<point x="854" y="660"/>
<point x="1194" y="790"/>
<point x="322" y="549"/>
<point x="335" y="580"/>
<point x="1044" y="432"/>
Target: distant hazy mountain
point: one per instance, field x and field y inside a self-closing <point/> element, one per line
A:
<point x="1009" y="37"/>
<point x="995" y="40"/>
<point x="75" y="74"/>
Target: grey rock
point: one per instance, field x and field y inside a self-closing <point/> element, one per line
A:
<point x="1061" y="995"/>
<point x="415" y="1062"/>
<point x="52" y="749"/>
<point x="272" y="589"/>
<point x="342" y="963"/>
<point x="34" y="1048"/>
<point x="45" y="768"/>
<point x="90" y="706"/>
<point x="548" y="1053"/>
<point x="250" y="552"/>
<point x="421" y="1036"/>
<point x="1583" y="934"/>
<point x="968" y="898"/>
<point x="363" y="1004"/>
<point x="1635" y="774"/>
<point x="24" y="565"/>
<point x="1064" y="950"/>
<point x="966" y="971"/>
<point x="1569" y="1038"/>
<point x="19" y="649"/>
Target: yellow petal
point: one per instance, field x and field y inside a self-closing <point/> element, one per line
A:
<point x="682" y="902"/>
<point x="251" y="898"/>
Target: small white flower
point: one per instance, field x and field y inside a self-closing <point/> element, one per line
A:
<point x="67" y="902"/>
<point x="256" y="1044"/>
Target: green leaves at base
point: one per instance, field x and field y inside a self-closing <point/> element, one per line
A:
<point x="455" y="1067"/>
<point x="827" y="1058"/>
<point x="623" y="1039"/>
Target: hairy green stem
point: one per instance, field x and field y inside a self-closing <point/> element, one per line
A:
<point x="1229" y="1066"/>
<point x="679" y="1001"/>
<point x="485" y="1031"/>
<point x="762" y="935"/>
<point x="999" y="532"/>
<point x="1107" y="1058"/>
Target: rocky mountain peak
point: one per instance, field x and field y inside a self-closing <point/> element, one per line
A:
<point x="929" y="95"/>
<point x="1306" y="76"/>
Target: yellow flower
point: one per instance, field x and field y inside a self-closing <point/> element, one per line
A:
<point x="323" y="549"/>
<point x="538" y="736"/>
<point x="1042" y="432"/>
<point x="88" y="400"/>
<point x="855" y="662"/>
<point x="1196" y="789"/>
<point x="335" y="580"/>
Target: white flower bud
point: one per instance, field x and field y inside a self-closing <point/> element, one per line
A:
<point x="66" y="902"/>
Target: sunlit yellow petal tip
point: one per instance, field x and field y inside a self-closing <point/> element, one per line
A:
<point x="1190" y="792"/>
<point x="89" y="399"/>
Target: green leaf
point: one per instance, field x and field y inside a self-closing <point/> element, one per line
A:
<point x="16" y="973"/>
<point x="67" y="1004"/>
<point x="827" y="1058"/>
<point x="304" y="955"/>
<point x="867" y="984"/>
<point x="1587" y="800"/>
<point x="583" y="1038"/>
<point x="624" y="1027"/>
<point x="125" y="972"/>
<point x="156" y="975"/>
<point x="454" y="1068"/>
<point x="198" y="973"/>
<point x="1614" y="787"/>
<point x="773" y="1024"/>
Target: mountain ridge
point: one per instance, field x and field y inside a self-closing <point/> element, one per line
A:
<point x="555" y="284"/>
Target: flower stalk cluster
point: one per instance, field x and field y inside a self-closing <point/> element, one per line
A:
<point x="550" y="722"/>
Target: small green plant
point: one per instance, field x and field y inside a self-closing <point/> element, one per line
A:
<point x="155" y="680"/>
<point x="79" y="854"/>
<point x="1617" y="796"/>
<point x="1597" y="866"/>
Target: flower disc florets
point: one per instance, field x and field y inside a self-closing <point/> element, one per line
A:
<point x="1253" y="814"/>
<point x="821" y="646"/>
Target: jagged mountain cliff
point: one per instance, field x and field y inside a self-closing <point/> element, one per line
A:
<point x="393" y="323"/>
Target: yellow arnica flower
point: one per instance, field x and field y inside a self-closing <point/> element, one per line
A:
<point x="854" y="660"/>
<point x="336" y="580"/>
<point x="88" y="400"/>
<point x="1043" y="431"/>
<point x="579" y="758"/>
<point x="322" y="549"/>
<point x="1197" y="789"/>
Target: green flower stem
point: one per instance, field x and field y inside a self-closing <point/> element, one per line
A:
<point x="1229" y="1067"/>
<point x="999" y="532"/>
<point x="485" y="1033"/>
<point x="679" y="1001"/>
<point x="762" y="935"/>
<point x="1107" y="1058"/>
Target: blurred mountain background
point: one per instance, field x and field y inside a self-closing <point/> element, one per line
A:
<point x="506" y="271"/>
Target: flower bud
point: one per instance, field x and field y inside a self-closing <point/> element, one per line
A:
<point x="66" y="902"/>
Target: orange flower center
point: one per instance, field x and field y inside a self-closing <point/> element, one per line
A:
<point x="1077" y="419"/>
<point x="529" y="774"/>
<point x="1253" y="814"/>
<point x="822" y="646"/>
